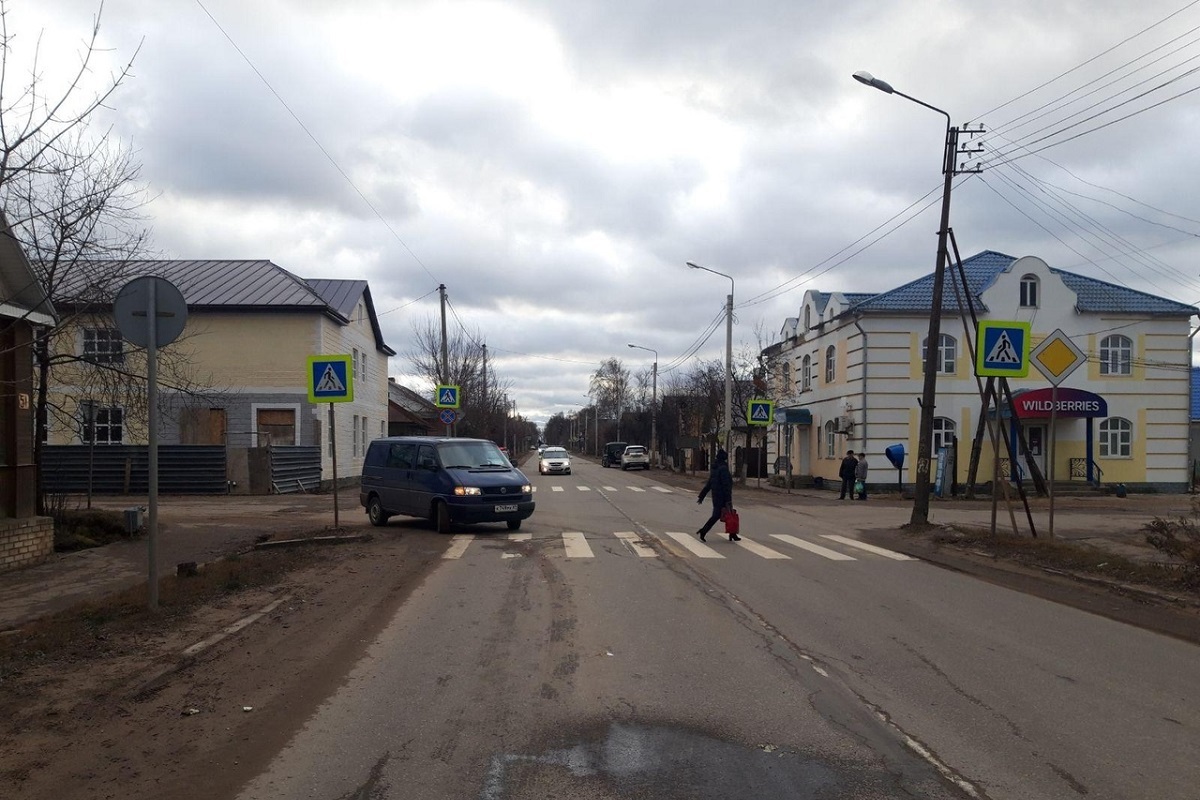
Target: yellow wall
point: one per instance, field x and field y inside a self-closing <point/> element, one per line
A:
<point x="253" y="351"/>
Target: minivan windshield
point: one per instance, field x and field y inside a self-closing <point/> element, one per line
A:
<point x="471" y="455"/>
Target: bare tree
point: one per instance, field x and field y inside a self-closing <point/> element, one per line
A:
<point x="610" y="390"/>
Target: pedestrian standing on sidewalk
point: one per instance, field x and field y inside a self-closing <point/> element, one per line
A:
<point x="846" y="473"/>
<point x="860" y="476"/>
<point x="720" y="483"/>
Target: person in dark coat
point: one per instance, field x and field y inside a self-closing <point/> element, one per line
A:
<point x="860" y="475"/>
<point x="846" y="473"/>
<point x="720" y="483"/>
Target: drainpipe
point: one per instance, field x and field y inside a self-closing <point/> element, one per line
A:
<point x="863" y="334"/>
<point x="1190" y="454"/>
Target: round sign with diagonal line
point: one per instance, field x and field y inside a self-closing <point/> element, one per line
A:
<point x="1057" y="357"/>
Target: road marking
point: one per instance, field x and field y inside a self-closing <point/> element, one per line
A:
<point x="520" y="537"/>
<point x="556" y="489"/>
<point x="694" y="545"/>
<point x="662" y="489"/>
<point x="634" y="542"/>
<point x="760" y="550"/>
<point x="458" y="545"/>
<point x="533" y="488"/>
<point x="832" y="555"/>
<point x="635" y="488"/>
<point x="870" y="548"/>
<point x="576" y="545"/>
<point x="584" y="488"/>
<point x="610" y="488"/>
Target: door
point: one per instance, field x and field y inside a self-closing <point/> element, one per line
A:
<point x="1036" y="438"/>
<point x="276" y="426"/>
<point x="395" y="485"/>
<point x="202" y="426"/>
<point x="426" y="480"/>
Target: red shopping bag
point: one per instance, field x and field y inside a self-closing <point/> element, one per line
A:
<point x="732" y="522"/>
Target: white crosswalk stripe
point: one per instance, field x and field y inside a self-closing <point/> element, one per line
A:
<point x="635" y="488"/>
<point x="575" y="543"/>
<point x="662" y="489"/>
<point x="458" y="545"/>
<point x="694" y="545"/>
<point x="760" y="550"/>
<point x="557" y="489"/>
<point x="832" y="555"/>
<point x="584" y="488"/>
<point x="613" y="488"/>
<point x="635" y="543"/>
<point x="870" y="548"/>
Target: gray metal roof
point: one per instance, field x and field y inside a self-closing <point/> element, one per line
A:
<point x="1092" y="295"/>
<point x="340" y="295"/>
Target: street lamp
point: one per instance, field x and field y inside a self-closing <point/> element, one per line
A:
<point x="728" y="353"/>
<point x="921" y="489"/>
<point x="653" y="404"/>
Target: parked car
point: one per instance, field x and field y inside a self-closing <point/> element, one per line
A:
<point x="635" y="457"/>
<point x="554" y="460"/>
<point x="444" y="480"/>
<point x="612" y="453"/>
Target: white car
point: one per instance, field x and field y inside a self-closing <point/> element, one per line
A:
<point x="635" y="457"/>
<point x="554" y="459"/>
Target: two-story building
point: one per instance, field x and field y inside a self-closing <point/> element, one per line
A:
<point x="855" y="364"/>
<point x="237" y="375"/>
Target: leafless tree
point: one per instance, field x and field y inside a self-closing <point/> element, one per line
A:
<point x="610" y="390"/>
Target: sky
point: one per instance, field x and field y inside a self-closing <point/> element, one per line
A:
<point x="556" y="163"/>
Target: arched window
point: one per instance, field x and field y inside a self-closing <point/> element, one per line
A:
<point x="943" y="433"/>
<point x="830" y="363"/>
<point x="947" y="352"/>
<point x="807" y="319"/>
<point x="1116" y="353"/>
<point x="1029" y="291"/>
<point x="830" y="440"/>
<point x="1116" y="438"/>
<point x="787" y="378"/>
<point x="806" y="374"/>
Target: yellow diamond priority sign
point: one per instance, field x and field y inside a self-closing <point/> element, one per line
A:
<point x="1057" y="357"/>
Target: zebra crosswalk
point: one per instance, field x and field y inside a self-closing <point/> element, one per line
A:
<point x="777" y="547"/>
<point x="582" y="488"/>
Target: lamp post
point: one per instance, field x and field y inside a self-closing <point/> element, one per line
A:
<point x="728" y="353"/>
<point x="921" y="488"/>
<point x="653" y="404"/>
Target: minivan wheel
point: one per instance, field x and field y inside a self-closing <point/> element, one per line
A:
<point x="441" y="517"/>
<point x="514" y="524"/>
<point x="375" y="512"/>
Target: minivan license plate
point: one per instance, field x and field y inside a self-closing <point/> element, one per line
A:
<point x="505" y="509"/>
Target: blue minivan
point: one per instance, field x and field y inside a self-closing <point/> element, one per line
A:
<point x="444" y="480"/>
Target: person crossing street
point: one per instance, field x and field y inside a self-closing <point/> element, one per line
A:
<point x="720" y="483"/>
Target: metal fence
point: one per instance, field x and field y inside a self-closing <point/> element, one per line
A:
<point x="124" y="469"/>
<point x="295" y="468"/>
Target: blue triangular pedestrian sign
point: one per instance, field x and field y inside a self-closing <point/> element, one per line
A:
<point x="760" y="412"/>
<point x="446" y="396"/>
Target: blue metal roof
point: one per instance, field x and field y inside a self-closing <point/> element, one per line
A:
<point x="981" y="270"/>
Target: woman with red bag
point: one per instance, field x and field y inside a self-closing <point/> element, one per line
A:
<point x="720" y="483"/>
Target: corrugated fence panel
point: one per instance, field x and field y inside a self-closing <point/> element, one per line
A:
<point x="295" y="468"/>
<point x="121" y="469"/>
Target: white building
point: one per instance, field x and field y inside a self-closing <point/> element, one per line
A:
<point x="854" y="363"/>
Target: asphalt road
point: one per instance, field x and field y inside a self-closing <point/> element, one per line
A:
<point x="604" y="652"/>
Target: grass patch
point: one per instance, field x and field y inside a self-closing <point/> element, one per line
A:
<point x="90" y="629"/>
<point x="78" y="529"/>
<point x="1071" y="557"/>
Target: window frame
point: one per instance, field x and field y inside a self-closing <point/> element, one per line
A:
<point x="806" y="373"/>
<point x="830" y="363"/>
<point x="108" y="412"/>
<point x="830" y="439"/>
<point x="102" y="345"/>
<point x="947" y="354"/>
<point x="1030" y="291"/>
<point x="943" y="429"/>
<point x="1111" y="349"/>
<point x="1118" y="430"/>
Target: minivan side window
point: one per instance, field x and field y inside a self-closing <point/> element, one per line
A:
<point x="401" y="456"/>
<point x="426" y="458"/>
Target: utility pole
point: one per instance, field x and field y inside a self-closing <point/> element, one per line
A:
<point x="445" y="352"/>
<point x="484" y="405"/>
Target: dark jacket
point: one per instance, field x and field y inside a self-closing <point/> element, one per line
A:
<point x="720" y="483"/>
<point x="846" y="471"/>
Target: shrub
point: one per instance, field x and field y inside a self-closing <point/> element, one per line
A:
<point x="1179" y="537"/>
<point x="79" y="529"/>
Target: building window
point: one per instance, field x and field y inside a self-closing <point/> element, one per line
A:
<point x="787" y="378"/>
<point x="101" y="424"/>
<point x="807" y="321"/>
<point x="1116" y="438"/>
<point x="830" y="440"/>
<point x="947" y="353"/>
<point x="943" y="434"/>
<point x="364" y="435"/>
<point x="354" y="433"/>
<point x="103" y="346"/>
<point x="830" y="363"/>
<point x="806" y="373"/>
<point x="1116" y="354"/>
<point x="1029" y="291"/>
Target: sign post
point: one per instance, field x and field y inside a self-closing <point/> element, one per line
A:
<point x="1056" y="358"/>
<point x="331" y="380"/>
<point x="149" y="312"/>
<point x="448" y="397"/>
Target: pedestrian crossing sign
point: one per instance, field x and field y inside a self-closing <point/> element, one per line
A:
<point x="330" y="379"/>
<point x="1002" y="349"/>
<point x="446" y="396"/>
<point x="760" y="412"/>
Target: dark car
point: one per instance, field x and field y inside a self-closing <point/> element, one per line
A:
<point x="612" y="454"/>
<point x="444" y="480"/>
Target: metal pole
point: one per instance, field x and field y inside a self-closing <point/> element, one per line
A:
<point x="152" y="420"/>
<point x="920" y="512"/>
<point x="445" y="352"/>
<point x="333" y="446"/>
<point x="729" y="368"/>
<point x="1050" y="455"/>
<point x="654" y="413"/>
